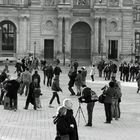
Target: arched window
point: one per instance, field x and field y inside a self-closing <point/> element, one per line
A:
<point x="7" y="36"/>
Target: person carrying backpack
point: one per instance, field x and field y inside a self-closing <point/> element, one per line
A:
<point x="87" y="98"/>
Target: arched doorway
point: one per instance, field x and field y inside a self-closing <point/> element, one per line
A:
<point x="81" y="41"/>
<point x="7" y="38"/>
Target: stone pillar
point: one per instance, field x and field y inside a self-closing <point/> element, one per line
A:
<point x="103" y="41"/>
<point x="95" y="49"/>
<point x="59" y="43"/>
<point x="67" y="34"/>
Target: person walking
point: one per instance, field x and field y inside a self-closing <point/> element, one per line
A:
<point x="31" y="95"/>
<point x="78" y="82"/>
<point x="26" y="79"/>
<point x="55" y="88"/>
<point x="138" y="81"/>
<point x="36" y="76"/>
<point x="84" y="75"/>
<point x="72" y="75"/>
<point x="49" y="75"/>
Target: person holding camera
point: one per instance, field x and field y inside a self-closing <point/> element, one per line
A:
<point x="87" y="98"/>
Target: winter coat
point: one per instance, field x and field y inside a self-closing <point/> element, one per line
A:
<point x="57" y="70"/>
<point x="69" y="118"/>
<point x="55" y="85"/>
<point x="26" y="77"/>
<point x="78" y="80"/>
<point x="31" y="95"/>
<point x="110" y="93"/>
<point x="36" y="76"/>
<point x="12" y="87"/>
<point x="50" y="71"/>
<point x="62" y="127"/>
<point x="72" y="77"/>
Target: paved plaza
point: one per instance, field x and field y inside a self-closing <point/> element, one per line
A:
<point x="38" y="125"/>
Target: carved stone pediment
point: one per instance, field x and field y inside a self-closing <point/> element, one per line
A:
<point x="48" y="25"/>
<point x="113" y="25"/>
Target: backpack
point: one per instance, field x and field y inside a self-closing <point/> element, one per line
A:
<point x="94" y="96"/>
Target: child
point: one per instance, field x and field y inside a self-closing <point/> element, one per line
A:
<point x="55" y="88"/>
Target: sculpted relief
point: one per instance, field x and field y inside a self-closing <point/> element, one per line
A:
<point x="113" y="25"/>
<point x="49" y="25"/>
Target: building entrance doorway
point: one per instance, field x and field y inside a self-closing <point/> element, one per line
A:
<point x="48" y="48"/>
<point x="81" y="41"/>
<point x="113" y="49"/>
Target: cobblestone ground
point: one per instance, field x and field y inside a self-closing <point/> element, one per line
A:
<point x="38" y="125"/>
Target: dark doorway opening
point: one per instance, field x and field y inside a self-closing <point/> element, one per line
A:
<point x="48" y="48"/>
<point x="113" y="49"/>
<point x="81" y="41"/>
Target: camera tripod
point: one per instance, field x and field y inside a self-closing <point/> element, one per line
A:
<point x="78" y="113"/>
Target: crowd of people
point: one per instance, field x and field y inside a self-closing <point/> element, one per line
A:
<point x="28" y="82"/>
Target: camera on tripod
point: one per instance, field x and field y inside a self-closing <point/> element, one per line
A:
<point x="81" y="100"/>
<point x="104" y="88"/>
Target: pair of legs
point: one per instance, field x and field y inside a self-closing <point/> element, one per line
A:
<point x="25" y="84"/>
<point x="71" y="90"/>
<point x="49" y="81"/>
<point x="55" y="95"/>
<point x="108" y="112"/>
<point x="90" y="107"/>
<point x="30" y="100"/>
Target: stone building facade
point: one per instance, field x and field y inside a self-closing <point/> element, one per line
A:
<point x="74" y="29"/>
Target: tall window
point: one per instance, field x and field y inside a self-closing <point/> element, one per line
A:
<point x="8" y="36"/>
<point x="137" y="13"/>
<point x="137" y="45"/>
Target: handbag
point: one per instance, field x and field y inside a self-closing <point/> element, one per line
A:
<point x="101" y="98"/>
<point x="63" y="137"/>
<point x="58" y="137"/>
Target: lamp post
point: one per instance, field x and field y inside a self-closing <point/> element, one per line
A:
<point x="131" y="52"/>
<point x="101" y="51"/>
<point x="34" y="49"/>
<point x="100" y="33"/>
<point x="63" y="39"/>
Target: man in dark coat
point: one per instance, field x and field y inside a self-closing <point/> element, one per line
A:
<point x="31" y="96"/>
<point x="49" y="75"/>
<point x="12" y="87"/>
<point x="72" y="75"/>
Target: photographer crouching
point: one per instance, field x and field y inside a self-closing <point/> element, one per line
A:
<point x="87" y="98"/>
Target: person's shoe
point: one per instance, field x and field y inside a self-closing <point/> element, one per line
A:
<point x="88" y="124"/>
<point x="107" y="122"/>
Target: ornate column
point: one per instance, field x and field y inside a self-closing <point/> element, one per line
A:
<point x="67" y="34"/>
<point x="95" y="49"/>
<point x="103" y="40"/>
<point x="59" y="47"/>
